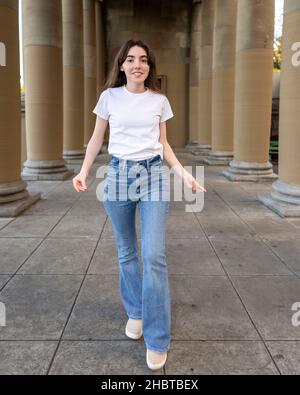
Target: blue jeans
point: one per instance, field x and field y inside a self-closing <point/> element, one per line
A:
<point x="147" y="297"/>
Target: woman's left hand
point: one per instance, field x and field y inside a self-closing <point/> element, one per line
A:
<point x="190" y="182"/>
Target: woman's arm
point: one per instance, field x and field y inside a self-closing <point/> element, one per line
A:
<point x="92" y="150"/>
<point x="174" y="163"/>
<point x="94" y="145"/>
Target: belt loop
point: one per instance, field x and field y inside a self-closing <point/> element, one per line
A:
<point x="123" y="165"/>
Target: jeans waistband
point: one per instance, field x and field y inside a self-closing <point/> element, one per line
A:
<point x="115" y="161"/>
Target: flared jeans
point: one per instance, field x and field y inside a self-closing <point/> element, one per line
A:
<point x="143" y="184"/>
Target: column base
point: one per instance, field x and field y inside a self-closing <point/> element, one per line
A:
<point x="14" y="198"/>
<point x="73" y="156"/>
<point x="46" y="170"/>
<point x="219" y="158"/>
<point x="201" y="149"/>
<point x="283" y="200"/>
<point x="250" y="171"/>
<point x="191" y="144"/>
<point x="181" y="150"/>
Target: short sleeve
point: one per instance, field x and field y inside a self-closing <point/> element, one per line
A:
<point x="101" y="108"/>
<point x="167" y="112"/>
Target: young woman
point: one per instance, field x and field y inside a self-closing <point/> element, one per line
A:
<point x="137" y="113"/>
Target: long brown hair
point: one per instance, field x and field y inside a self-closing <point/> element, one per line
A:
<point x="118" y="78"/>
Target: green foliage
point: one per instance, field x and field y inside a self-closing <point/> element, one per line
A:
<point x="277" y="53"/>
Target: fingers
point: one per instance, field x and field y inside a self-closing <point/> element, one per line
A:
<point x="198" y="187"/>
<point x="79" y="185"/>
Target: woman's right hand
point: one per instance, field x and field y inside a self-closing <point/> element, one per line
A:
<point x="79" y="182"/>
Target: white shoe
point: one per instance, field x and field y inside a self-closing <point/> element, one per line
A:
<point x="156" y="360"/>
<point x="134" y="329"/>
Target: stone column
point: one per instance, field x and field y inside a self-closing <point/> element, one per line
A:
<point x="194" y="75"/>
<point x="100" y="46"/>
<point x="14" y="197"/>
<point x="205" y="78"/>
<point x="100" y="56"/>
<point x="42" y="30"/>
<point x="90" y="84"/>
<point x="253" y="92"/>
<point x="73" y="80"/>
<point x="285" y="196"/>
<point x="223" y="83"/>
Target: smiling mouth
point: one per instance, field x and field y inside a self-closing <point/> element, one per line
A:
<point x="138" y="74"/>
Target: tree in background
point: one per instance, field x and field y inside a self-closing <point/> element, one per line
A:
<point x="277" y="53"/>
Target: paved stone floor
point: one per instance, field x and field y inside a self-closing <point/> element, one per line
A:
<point x="234" y="272"/>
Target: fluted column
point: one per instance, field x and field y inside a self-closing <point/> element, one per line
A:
<point x="253" y="92"/>
<point x="194" y="75"/>
<point x="285" y="196"/>
<point x="223" y="83"/>
<point x="100" y="56"/>
<point x="14" y="197"/>
<point x="73" y="80"/>
<point x="90" y="83"/>
<point x="204" y="111"/>
<point x="42" y="24"/>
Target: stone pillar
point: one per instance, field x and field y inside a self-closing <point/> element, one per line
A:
<point x="90" y="84"/>
<point x="14" y="197"/>
<point x="223" y="83"/>
<point x="285" y="196"/>
<point x="100" y="46"/>
<point x="100" y="56"/>
<point x="253" y="92"/>
<point x="194" y="75"/>
<point x="205" y="79"/>
<point x="73" y="80"/>
<point x="42" y="30"/>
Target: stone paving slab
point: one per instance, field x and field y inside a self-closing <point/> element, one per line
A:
<point x="184" y="227"/>
<point x="288" y="250"/>
<point x="247" y="255"/>
<point x="98" y="313"/>
<point x="116" y="357"/>
<point x="60" y="256"/>
<point x="192" y="257"/>
<point x="49" y="207"/>
<point x="253" y="209"/>
<point x="84" y="208"/>
<point x="14" y="251"/>
<point x="286" y="356"/>
<point x="269" y="301"/>
<point x="5" y="221"/>
<point x="79" y="226"/>
<point x="43" y="187"/>
<point x="231" y="227"/>
<point x="219" y="358"/>
<point x="272" y="227"/>
<point x="30" y="226"/>
<point x="207" y="308"/>
<point x="37" y="307"/>
<point x="3" y="280"/>
<point x="25" y="357"/>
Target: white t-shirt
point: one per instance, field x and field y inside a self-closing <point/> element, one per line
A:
<point x="134" y="121"/>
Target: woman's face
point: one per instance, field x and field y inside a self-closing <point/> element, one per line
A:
<point x="136" y="65"/>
